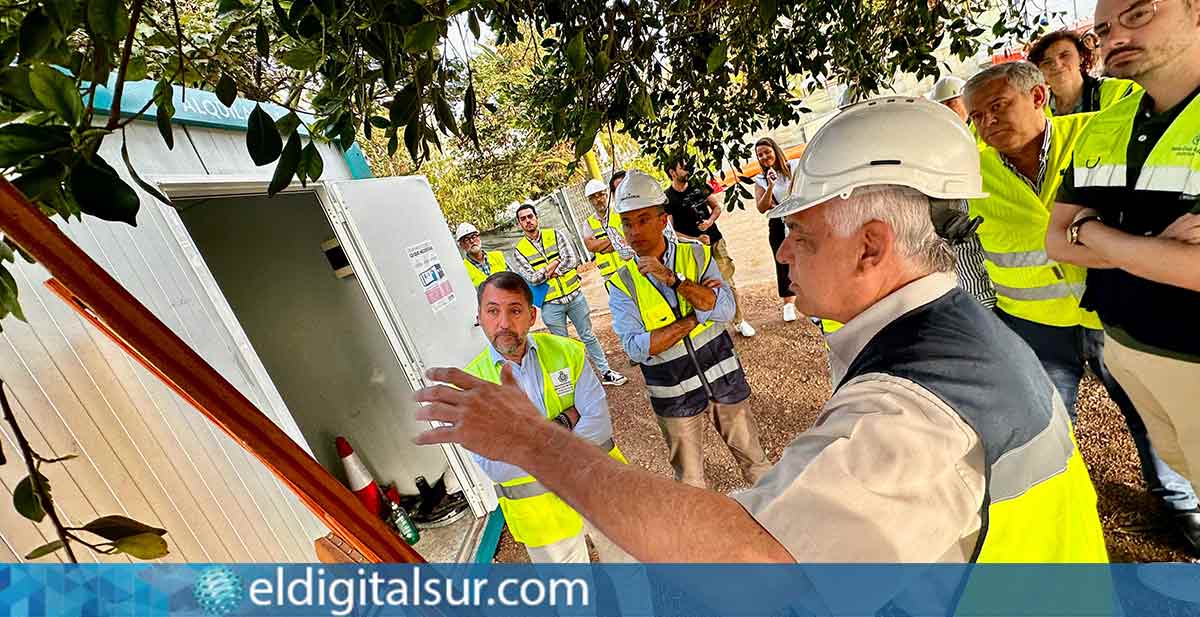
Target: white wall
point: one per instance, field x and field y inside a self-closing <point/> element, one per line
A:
<point x="143" y="452"/>
<point x="316" y="334"/>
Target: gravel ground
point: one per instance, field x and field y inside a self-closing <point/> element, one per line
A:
<point x="786" y="367"/>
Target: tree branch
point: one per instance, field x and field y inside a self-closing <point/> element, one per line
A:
<point x="27" y="454"/>
<point x="114" y="113"/>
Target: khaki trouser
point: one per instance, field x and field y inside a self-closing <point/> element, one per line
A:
<point x="735" y="424"/>
<point x="1165" y="392"/>
<point x="574" y="549"/>
<point x="720" y="254"/>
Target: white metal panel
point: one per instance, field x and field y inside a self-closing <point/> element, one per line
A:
<point x="380" y="220"/>
<point x="224" y="153"/>
<point x="143" y="452"/>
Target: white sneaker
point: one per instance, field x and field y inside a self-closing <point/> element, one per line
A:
<point x="789" y="312"/>
<point x="745" y="329"/>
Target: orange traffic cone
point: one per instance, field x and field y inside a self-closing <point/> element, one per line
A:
<point x="357" y="476"/>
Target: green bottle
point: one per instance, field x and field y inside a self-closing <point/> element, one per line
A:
<point x="403" y="525"/>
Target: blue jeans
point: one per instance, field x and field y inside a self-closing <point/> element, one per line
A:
<point x="556" y="315"/>
<point x="1065" y="352"/>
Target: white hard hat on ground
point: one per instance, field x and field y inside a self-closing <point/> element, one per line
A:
<point x="638" y="190"/>
<point x="946" y="88"/>
<point x="593" y="186"/>
<point x="464" y="230"/>
<point x="905" y="141"/>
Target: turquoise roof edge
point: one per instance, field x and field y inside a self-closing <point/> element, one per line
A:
<point x="202" y="108"/>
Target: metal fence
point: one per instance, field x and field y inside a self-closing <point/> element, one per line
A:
<point x="559" y="211"/>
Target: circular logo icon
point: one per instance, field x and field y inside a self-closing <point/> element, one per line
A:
<point x="218" y="591"/>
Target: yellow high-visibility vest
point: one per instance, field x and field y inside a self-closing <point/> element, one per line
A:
<point x="562" y="284"/>
<point x="495" y="261"/>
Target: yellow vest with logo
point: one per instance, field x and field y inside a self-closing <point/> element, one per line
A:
<point x="496" y="262"/>
<point x="535" y="516"/>
<point x="610" y="261"/>
<point x="565" y="282"/>
<point x="1013" y="233"/>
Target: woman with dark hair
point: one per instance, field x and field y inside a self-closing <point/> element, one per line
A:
<point x="771" y="187"/>
<point x="1066" y="61"/>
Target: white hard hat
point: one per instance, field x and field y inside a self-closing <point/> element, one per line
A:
<point x="946" y="88"/>
<point x="904" y="141"/>
<point x="638" y="190"/>
<point x="464" y="230"/>
<point x="593" y="186"/>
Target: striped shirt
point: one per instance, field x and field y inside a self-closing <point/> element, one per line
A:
<point x="568" y="261"/>
<point x="968" y="264"/>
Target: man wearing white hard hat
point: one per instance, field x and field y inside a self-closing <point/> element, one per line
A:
<point x="944" y="440"/>
<point x="606" y="239"/>
<point x="480" y="264"/>
<point x="948" y="91"/>
<point x="669" y="307"/>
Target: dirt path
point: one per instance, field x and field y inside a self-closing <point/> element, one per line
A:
<point x="786" y="367"/>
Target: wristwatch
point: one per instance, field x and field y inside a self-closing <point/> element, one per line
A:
<point x="679" y="279"/>
<point x="1073" y="229"/>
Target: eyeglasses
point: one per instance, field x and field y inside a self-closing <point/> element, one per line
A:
<point x="469" y="238"/>
<point x="1132" y="18"/>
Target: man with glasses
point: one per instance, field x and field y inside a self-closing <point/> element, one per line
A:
<point x="541" y="258"/>
<point x="480" y="264"/>
<point x="1128" y="211"/>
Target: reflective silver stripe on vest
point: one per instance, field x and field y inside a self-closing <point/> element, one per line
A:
<point x="1169" y="179"/>
<point x="1100" y="175"/>
<point x="535" y="488"/>
<point x="1018" y="259"/>
<point x="1047" y="292"/>
<point x="714" y="372"/>
<point x="1038" y="460"/>
<point x="521" y="491"/>
<point x="679" y="350"/>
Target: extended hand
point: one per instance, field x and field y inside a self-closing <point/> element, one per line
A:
<point x="955" y="225"/>
<point x="494" y="421"/>
<point x="651" y="266"/>
<point x="704" y="239"/>
<point x="1185" y="229"/>
<point x="772" y="176"/>
<point x="704" y="225"/>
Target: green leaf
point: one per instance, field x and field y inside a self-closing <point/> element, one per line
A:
<point x="26" y="501"/>
<point x="19" y="142"/>
<point x="393" y="145"/>
<point x="262" y="41"/>
<point x="311" y="164"/>
<point x="62" y="13"/>
<point x="404" y="105"/>
<point x="285" y="170"/>
<point x="262" y="137"/>
<point x="301" y="58"/>
<point x="576" y="54"/>
<point x="299" y="7"/>
<point x="768" y="10"/>
<point x="445" y="115"/>
<point x="326" y="7"/>
<point x="423" y="37"/>
<point x="146" y="186"/>
<point x="36" y="34"/>
<point x="20" y="251"/>
<point x="644" y="106"/>
<point x="14" y="85"/>
<point x="717" y="57"/>
<point x="380" y="122"/>
<point x="281" y="16"/>
<point x="458" y="7"/>
<point x="108" y="19"/>
<point x="114" y="527"/>
<point x="412" y="139"/>
<point x="226" y="90"/>
<point x="164" y="102"/>
<point x="404" y="13"/>
<point x="99" y="65"/>
<point x="288" y="123"/>
<point x="45" y="549"/>
<point x="42" y="181"/>
<point x="102" y="193"/>
<point x="587" y="135"/>
<point x="143" y="546"/>
<point x="57" y="93"/>
<point x="7" y="253"/>
<point x="473" y="23"/>
<point x="228" y="6"/>
<point x="137" y="69"/>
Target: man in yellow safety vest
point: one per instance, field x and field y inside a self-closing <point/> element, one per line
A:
<point x="553" y="372"/>
<point x="604" y="235"/>
<point x="480" y="264"/>
<point x="943" y="440"/>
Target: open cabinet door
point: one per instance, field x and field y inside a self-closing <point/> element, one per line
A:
<point x="400" y="247"/>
